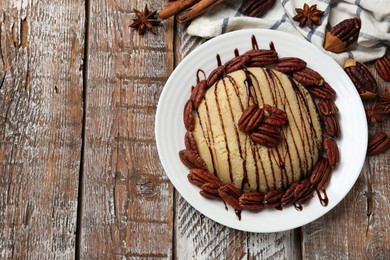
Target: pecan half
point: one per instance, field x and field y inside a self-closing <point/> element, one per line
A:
<point x="319" y="168"/>
<point x="188" y="116"/>
<point x="308" y="77"/>
<point x="378" y="144"/>
<point x="331" y="151"/>
<point x="324" y="180"/>
<point x="303" y="191"/>
<point x="215" y="75"/>
<point x="327" y="107"/>
<point x="210" y="190"/>
<point x="272" y="198"/>
<point x="236" y="63"/>
<point x="266" y="135"/>
<point x="198" y="93"/>
<point x="189" y="141"/>
<point x="331" y="124"/>
<point x="230" y="195"/>
<point x="250" y="118"/>
<point x="192" y="159"/>
<point x="288" y="196"/>
<point x="261" y="58"/>
<point x="302" y="188"/>
<point x="199" y="177"/>
<point x="362" y="78"/>
<point x="342" y="35"/>
<point x="320" y="173"/>
<point x="252" y="201"/>
<point x="382" y="66"/>
<point x="256" y="8"/>
<point x="305" y="198"/>
<point x="274" y="116"/>
<point x="322" y="92"/>
<point x="290" y="64"/>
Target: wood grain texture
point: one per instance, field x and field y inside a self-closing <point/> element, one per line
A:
<point x="41" y="52"/>
<point x="129" y="209"/>
<point x="198" y="237"/>
<point x="127" y="199"/>
<point x="357" y="228"/>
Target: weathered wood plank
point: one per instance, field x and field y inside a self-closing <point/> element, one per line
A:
<point x="41" y="52"/>
<point x="357" y="228"/>
<point x="127" y="199"/>
<point x="198" y="237"/>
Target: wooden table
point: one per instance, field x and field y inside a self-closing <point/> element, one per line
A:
<point x="80" y="174"/>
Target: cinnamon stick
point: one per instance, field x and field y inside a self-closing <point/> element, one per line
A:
<point x="175" y="8"/>
<point x="196" y="10"/>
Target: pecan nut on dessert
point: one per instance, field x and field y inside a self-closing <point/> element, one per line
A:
<point x="261" y="132"/>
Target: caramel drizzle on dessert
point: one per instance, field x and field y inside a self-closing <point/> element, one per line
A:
<point x="299" y="191"/>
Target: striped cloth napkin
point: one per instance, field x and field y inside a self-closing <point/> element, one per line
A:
<point x="374" y="36"/>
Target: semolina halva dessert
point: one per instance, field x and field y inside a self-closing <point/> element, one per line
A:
<point x="256" y="137"/>
<point x="231" y="154"/>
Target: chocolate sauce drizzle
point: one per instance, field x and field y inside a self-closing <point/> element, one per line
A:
<point x="253" y="81"/>
<point x="298" y="206"/>
<point x="198" y="77"/>
<point x="208" y="134"/>
<point x="219" y="62"/>
<point x="286" y="104"/>
<point x="245" y="177"/>
<point x="323" y="199"/>
<point x="255" y="46"/>
<point x="249" y="85"/>
<point x="224" y="129"/>
<point x="238" y="214"/>
<point x="236" y="52"/>
<point x="313" y="134"/>
<point x="278" y="156"/>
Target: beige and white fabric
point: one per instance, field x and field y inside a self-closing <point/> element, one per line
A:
<point x="374" y="36"/>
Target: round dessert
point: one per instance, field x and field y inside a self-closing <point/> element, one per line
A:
<point x="255" y="138"/>
<point x="232" y="155"/>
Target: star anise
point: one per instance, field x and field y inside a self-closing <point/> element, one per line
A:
<point x="145" y="20"/>
<point x="308" y="15"/>
<point x="375" y="113"/>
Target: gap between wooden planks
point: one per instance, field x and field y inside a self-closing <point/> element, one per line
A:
<point x="41" y="52"/>
<point x="128" y="205"/>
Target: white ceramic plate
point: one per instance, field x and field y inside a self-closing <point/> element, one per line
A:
<point x="169" y="128"/>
